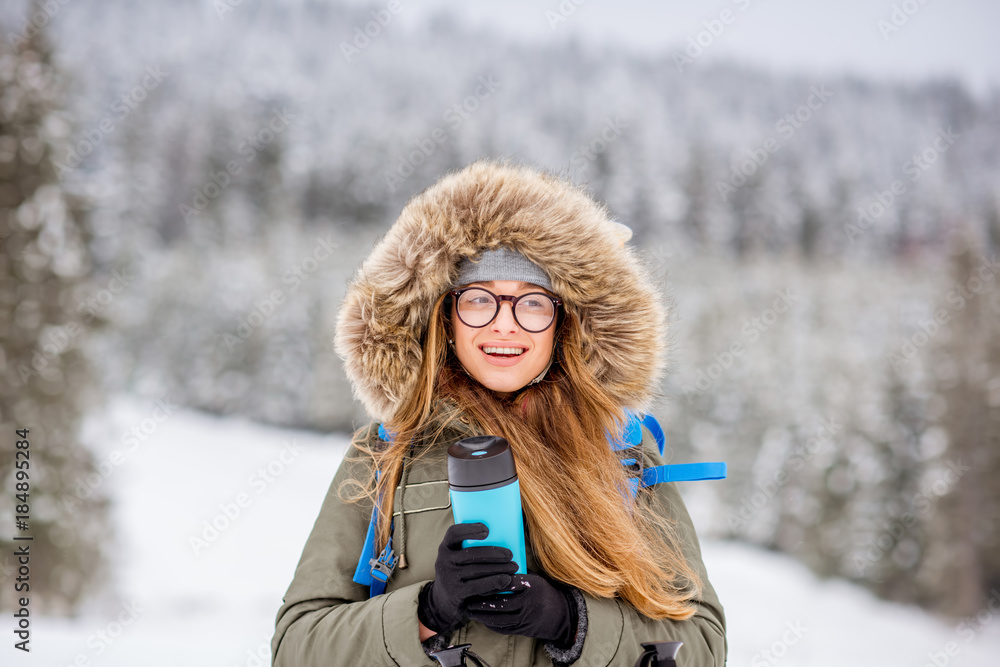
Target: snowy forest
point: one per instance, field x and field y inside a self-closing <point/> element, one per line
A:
<point x="186" y="187"/>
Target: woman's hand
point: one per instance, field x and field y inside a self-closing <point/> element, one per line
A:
<point x="461" y="574"/>
<point x="533" y="608"/>
<point x="424" y="632"/>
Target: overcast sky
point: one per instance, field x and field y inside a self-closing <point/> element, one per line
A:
<point x="804" y="36"/>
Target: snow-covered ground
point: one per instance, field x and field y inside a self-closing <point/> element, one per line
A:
<point x="178" y="601"/>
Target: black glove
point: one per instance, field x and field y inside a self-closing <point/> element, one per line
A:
<point x="461" y="574"/>
<point x="535" y="608"/>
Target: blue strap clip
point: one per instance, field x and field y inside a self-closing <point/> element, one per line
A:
<point x="374" y="571"/>
<point x="382" y="567"/>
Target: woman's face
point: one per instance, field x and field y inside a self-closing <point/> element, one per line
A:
<point x="500" y="374"/>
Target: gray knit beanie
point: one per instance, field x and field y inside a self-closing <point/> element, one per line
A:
<point x="501" y="264"/>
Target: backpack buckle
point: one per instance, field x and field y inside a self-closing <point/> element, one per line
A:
<point x="383" y="566"/>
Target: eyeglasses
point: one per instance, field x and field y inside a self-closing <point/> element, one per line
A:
<point x="534" y="312"/>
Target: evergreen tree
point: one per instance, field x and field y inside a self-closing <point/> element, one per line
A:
<point x="44" y="318"/>
<point x="965" y="562"/>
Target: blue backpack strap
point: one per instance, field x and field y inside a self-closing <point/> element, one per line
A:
<point x="683" y="472"/>
<point x="649" y="421"/>
<point x="373" y="570"/>
<point x="363" y="573"/>
<point x="631" y="433"/>
<point x="384" y="434"/>
<point x="631" y="436"/>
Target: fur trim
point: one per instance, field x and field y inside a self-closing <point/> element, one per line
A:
<point x="434" y="643"/>
<point x="485" y="205"/>
<point x="567" y="656"/>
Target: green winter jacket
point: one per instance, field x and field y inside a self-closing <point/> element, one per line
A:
<point x="327" y="620"/>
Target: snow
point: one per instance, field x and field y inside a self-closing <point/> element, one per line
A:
<point x="767" y="594"/>
<point x="214" y="605"/>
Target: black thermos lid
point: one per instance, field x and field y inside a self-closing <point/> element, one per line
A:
<point x="480" y="461"/>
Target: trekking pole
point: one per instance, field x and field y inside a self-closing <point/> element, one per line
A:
<point x="659" y="654"/>
<point x="454" y="656"/>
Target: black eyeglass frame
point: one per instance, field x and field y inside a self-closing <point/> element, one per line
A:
<point x="500" y="298"/>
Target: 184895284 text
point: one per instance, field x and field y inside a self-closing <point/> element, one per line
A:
<point x="22" y="507"/>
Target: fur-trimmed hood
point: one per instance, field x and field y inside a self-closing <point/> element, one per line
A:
<point x="552" y="222"/>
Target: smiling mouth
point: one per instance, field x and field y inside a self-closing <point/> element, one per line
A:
<point x="502" y="352"/>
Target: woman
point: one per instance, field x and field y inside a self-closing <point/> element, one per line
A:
<point x="503" y="301"/>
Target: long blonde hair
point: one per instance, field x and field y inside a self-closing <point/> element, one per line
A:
<point x="585" y="529"/>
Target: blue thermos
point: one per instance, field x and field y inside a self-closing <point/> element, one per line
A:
<point x="483" y="485"/>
